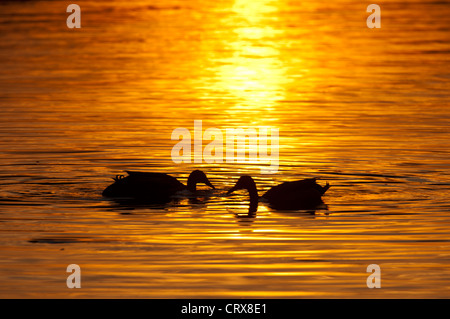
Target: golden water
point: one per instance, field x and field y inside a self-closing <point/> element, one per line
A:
<point x="364" y="109"/>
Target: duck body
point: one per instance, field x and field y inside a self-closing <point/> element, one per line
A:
<point x="155" y="187"/>
<point x="302" y="194"/>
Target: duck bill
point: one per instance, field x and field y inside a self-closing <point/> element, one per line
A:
<point x="231" y="190"/>
<point x="208" y="183"/>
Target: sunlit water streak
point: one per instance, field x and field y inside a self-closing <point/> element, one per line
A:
<point x="366" y="110"/>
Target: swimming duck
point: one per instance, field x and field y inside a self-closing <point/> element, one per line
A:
<point x="303" y="194"/>
<point x="153" y="186"/>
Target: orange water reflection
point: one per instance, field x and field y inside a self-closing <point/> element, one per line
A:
<point x="367" y="110"/>
<point x="254" y="73"/>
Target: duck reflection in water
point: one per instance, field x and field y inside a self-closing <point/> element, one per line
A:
<point x="304" y="194"/>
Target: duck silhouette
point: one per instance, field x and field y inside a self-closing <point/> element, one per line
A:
<point x="153" y="187"/>
<point x="302" y="194"/>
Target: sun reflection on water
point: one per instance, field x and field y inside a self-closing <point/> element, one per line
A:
<point x="254" y="74"/>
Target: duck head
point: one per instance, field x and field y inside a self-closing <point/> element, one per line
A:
<point x="196" y="177"/>
<point x="246" y="182"/>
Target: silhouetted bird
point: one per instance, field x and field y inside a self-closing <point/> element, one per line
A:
<point x="303" y="194"/>
<point x="154" y="187"/>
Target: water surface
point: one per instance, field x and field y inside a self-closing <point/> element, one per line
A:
<point x="365" y="109"/>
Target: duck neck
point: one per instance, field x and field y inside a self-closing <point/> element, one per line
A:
<point x="191" y="185"/>
<point x="253" y="192"/>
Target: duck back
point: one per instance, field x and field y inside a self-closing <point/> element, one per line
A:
<point x="144" y="185"/>
<point x="303" y="194"/>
